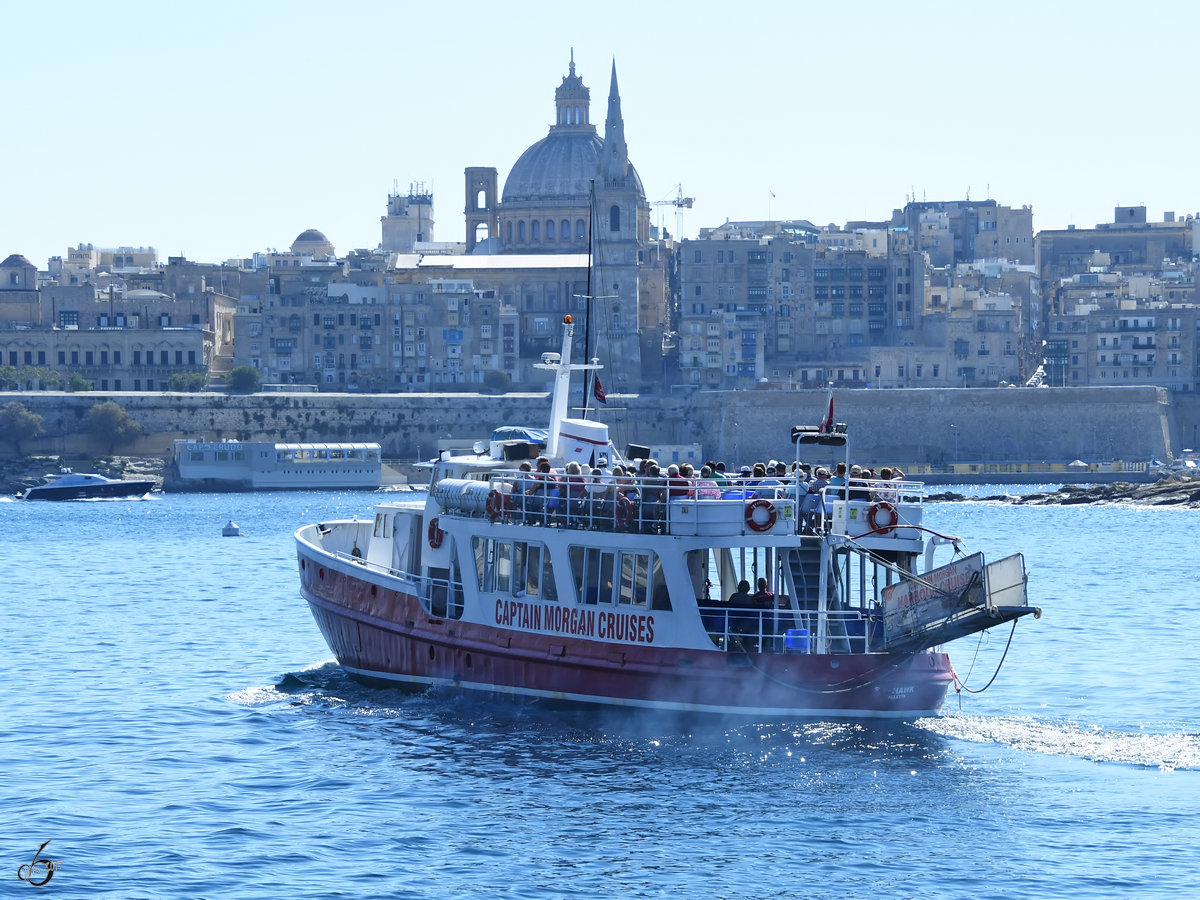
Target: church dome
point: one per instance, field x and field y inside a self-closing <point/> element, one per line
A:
<point x="560" y="166"/>
<point x="312" y="242"/>
<point x="14" y="261"/>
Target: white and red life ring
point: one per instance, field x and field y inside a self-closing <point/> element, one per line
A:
<point x="873" y="513"/>
<point x="754" y="522"/>
<point x="494" y="507"/>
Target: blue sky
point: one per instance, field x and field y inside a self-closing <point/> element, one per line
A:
<point x="213" y="130"/>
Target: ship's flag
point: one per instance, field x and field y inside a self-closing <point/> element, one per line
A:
<point x="826" y="426"/>
<point x="598" y="390"/>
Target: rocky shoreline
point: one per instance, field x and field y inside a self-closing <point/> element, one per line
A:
<point x="1169" y="491"/>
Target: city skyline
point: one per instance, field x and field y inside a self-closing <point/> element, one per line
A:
<point x="219" y="132"/>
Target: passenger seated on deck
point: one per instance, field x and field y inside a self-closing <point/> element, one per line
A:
<point x="886" y="492"/>
<point x="522" y="485"/>
<point x="742" y="623"/>
<point x="812" y="507"/>
<point x="678" y="487"/>
<point x="740" y="598"/>
<point x="544" y="496"/>
<point x="602" y="499"/>
<point x="859" y="489"/>
<point x="768" y="484"/>
<point x="654" y="495"/>
<point x="838" y="479"/>
<point x="763" y="598"/>
<point x="575" y="492"/>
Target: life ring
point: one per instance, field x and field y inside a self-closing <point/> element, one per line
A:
<point x="494" y="506"/>
<point x="624" y="511"/>
<point x="435" y="534"/>
<point x="873" y="517"/>
<point x="752" y="521"/>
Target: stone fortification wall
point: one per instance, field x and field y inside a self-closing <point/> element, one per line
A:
<point x="933" y="426"/>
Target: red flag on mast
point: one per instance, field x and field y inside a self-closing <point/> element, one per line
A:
<point x="598" y="390"/>
<point x="826" y="426"/>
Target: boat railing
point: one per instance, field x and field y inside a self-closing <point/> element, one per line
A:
<point x="785" y="630"/>
<point x="663" y="505"/>
<point x="440" y="597"/>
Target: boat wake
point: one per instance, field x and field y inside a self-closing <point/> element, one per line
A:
<point x="1167" y="751"/>
<point x="325" y="682"/>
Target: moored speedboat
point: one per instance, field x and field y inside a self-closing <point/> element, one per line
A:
<point x="68" y="485"/>
<point x="633" y="591"/>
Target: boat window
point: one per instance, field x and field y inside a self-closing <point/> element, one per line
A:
<point x="383" y="525"/>
<point x="502" y="567"/>
<point x="482" y="548"/>
<point x="635" y="573"/>
<point x="659" y="596"/>
<point x="518" y="568"/>
<point x="722" y="568"/>
<point x="627" y="578"/>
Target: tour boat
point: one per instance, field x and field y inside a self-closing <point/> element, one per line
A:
<point x="620" y="591"/>
<point x="198" y="465"/>
<point x="68" y="485"/>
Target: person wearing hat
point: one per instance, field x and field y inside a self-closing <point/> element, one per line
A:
<point x="859" y="489"/>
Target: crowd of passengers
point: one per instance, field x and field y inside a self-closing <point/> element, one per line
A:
<point x="635" y="496"/>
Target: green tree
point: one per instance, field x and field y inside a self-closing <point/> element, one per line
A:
<point x="113" y="425"/>
<point x="243" y="380"/>
<point x="78" y="383"/>
<point x="8" y="378"/>
<point x="188" y="382"/>
<point x="495" y="381"/>
<point x="17" y="423"/>
<point x="41" y="378"/>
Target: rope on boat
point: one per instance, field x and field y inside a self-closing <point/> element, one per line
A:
<point x="961" y="685"/>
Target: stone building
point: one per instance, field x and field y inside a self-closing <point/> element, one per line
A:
<point x="762" y="303"/>
<point x="1129" y="240"/>
<point x="117" y="338"/>
<point x="960" y="231"/>
<point x="1125" y="342"/>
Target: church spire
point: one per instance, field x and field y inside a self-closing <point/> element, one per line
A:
<point x="615" y="165"/>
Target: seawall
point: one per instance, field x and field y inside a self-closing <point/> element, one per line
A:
<point x="935" y="426"/>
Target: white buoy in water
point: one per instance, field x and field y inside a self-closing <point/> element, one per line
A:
<point x="231" y="530"/>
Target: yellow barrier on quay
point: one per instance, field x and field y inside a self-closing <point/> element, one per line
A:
<point x="990" y="472"/>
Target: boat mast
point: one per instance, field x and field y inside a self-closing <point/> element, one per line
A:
<point x="562" y="367"/>
<point x="587" y="309"/>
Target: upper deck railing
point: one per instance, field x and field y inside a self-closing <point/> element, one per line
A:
<point x="681" y="506"/>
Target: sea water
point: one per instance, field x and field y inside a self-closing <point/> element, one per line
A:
<point x="174" y="726"/>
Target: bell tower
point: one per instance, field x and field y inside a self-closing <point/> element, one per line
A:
<point x="482" y="206"/>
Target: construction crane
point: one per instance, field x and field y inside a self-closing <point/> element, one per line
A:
<point x="680" y="203"/>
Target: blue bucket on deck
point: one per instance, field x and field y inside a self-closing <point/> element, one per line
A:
<point x="796" y="640"/>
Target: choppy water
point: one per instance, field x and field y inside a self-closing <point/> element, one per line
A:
<point x="172" y="723"/>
